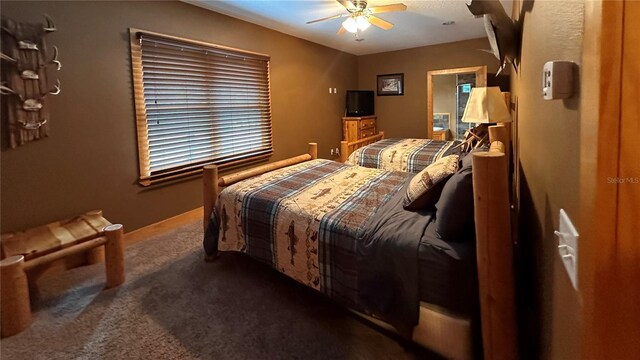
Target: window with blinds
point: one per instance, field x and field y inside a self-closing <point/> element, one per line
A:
<point x="197" y="104"/>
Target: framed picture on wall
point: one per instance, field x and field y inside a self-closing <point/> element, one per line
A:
<point x="390" y="84"/>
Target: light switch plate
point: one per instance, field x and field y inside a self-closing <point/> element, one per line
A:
<point x="568" y="246"/>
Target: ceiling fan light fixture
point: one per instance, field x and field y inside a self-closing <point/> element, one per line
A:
<point x="362" y="23"/>
<point x="359" y="17"/>
<point x="350" y="25"/>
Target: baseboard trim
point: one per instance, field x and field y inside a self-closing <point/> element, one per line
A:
<point x="148" y="231"/>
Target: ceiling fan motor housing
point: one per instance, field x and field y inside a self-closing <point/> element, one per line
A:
<point x="359" y="5"/>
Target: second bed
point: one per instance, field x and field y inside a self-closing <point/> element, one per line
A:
<point x="407" y="155"/>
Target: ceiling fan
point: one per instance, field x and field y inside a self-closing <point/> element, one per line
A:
<point x="359" y="17"/>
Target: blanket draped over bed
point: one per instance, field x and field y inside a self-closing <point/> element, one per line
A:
<point x="408" y="155"/>
<point x="317" y="222"/>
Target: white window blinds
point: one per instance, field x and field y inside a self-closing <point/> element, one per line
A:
<point x="197" y="104"/>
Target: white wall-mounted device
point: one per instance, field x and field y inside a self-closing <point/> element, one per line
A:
<point x="557" y="80"/>
<point x="568" y="246"/>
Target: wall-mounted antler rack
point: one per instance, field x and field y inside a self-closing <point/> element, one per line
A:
<point x="25" y="82"/>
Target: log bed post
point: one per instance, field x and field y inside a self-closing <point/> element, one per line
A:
<point x="495" y="252"/>
<point x="501" y="133"/>
<point x="209" y="192"/>
<point x="313" y="150"/>
<point x="344" y="151"/>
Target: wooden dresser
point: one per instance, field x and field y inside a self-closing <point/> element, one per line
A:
<point x="440" y="135"/>
<point x="356" y="128"/>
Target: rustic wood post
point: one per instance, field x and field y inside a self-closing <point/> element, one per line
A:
<point x="114" y="255"/>
<point x="501" y="133"/>
<point x="209" y="192"/>
<point x="15" y="308"/>
<point x="494" y="254"/>
<point x="344" y="151"/>
<point x="313" y="150"/>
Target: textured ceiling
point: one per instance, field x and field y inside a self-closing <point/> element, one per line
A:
<point x="420" y="25"/>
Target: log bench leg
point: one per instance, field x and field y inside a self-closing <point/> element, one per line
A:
<point x="15" y="310"/>
<point x="114" y="255"/>
<point x="95" y="255"/>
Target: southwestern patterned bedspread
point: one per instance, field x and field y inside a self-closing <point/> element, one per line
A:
<point x="408" y="155"/>
<point x="310" y="222"/>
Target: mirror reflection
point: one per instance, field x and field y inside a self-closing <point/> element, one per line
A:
<point x="448" y="92"/>
<point x="450" y="95"/>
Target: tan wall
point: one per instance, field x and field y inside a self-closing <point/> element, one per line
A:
<point x="406" y="116"/>
<point x="90" y="159"/>
<point x="549" y="163"/>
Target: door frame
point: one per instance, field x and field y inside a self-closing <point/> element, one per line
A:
<point x="481" y="81"/>
<point x="609" y="265"/>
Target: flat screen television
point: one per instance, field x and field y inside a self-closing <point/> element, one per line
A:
<point x="359" y="103"/>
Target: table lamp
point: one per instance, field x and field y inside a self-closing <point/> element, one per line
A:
<point x="486" y="105"/>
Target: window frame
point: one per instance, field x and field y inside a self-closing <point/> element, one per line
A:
<point x="146" y="177"/>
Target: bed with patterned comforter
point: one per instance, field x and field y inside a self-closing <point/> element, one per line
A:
<point x="408" y="155"/>
<point x="336" y="228"/>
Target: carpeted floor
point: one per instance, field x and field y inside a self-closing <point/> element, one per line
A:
<point x="175" y="306"/>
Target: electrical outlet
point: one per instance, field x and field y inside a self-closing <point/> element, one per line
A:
<point x="329" y="90"/>
<point x="337" y="151"/>
<point x="331" y="151"/>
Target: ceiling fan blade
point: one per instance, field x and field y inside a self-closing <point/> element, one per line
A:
<point x="347" y="4"/>
<point x="342" y="30"/>
<point x="388" y="8"/>
<point x="385" y="25"/>
<point x="327" y="18"/>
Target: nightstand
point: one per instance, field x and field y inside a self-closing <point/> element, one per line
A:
<point x="440" y="135"/>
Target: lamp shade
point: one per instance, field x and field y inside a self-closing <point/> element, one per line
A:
<point x="486" y="105"/>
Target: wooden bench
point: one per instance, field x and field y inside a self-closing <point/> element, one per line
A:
<point x="27" y="253"/>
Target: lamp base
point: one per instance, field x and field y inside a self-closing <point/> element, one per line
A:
<point x="476" y="137"/>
